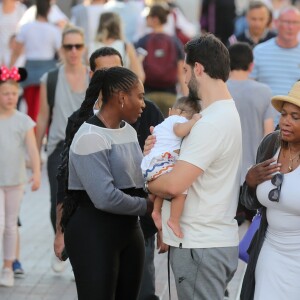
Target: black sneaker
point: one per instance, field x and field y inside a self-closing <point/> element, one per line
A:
<point x="226" y="295"/>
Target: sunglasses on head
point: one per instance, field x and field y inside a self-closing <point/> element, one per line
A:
<point x="276" y="180"/>
<point x="69" y="47"/>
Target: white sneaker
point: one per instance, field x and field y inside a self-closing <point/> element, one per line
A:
<point x="7" y="277"/>
<point x="57" y="265"/>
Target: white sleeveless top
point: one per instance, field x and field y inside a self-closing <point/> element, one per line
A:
<point x="287" y="208"/>
<point x="118" y="45"/>
<point x="66" y="102"/>
<point x="277" y="271"/>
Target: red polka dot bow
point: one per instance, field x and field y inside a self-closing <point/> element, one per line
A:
<point x="7" y="74"/>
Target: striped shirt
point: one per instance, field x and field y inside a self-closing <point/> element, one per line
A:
<point x="277" y="67"/>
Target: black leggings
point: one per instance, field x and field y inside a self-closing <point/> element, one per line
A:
<point x="106" y="252"/>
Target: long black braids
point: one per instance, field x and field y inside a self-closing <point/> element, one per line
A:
<point x="84" y="113"/>
<point x="108" y="81"/>
<point x="117" y="79"/>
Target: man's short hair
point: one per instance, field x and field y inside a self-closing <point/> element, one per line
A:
<point x="288" y="8"/>
<point x="211" y="53"/>
<point x="241" y="56"/>
<point x="103" y="51"/>
<point x="257" y="4"/>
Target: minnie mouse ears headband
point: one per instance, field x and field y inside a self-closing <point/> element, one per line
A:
<point x="15" y="74"/>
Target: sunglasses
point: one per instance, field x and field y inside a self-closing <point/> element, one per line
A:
<point x="69" y="47"/>
<point x="274" y="194"/>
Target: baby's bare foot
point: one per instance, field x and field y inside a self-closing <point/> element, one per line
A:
<point x="175" y="228"/>
<point x="156" y="216"/>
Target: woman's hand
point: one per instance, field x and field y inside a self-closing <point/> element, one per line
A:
<point x="35" y="181"/>
<point x="59" y="244"/>
<point x="150" y="201"/>
<point x="149" y="142"/>
<point x="262" y="172"/>
<point x="160" y="245"/>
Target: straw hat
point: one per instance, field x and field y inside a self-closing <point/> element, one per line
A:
<point x="292" y="97"/>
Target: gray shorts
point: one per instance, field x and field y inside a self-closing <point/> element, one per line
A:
<point x="203" y="273"/>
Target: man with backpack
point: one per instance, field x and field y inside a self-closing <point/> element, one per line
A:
<point x="163" y="64"/>
<point x="62" y="92"/>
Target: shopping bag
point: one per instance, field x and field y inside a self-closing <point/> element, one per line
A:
<point x="246" y="240"/>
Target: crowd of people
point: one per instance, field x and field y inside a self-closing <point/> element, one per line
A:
<point x="155" y="127"/>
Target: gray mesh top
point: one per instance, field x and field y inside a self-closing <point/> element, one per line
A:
<point x="105" y="161"/>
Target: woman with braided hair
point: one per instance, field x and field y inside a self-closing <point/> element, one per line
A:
<point x="102" y="234"/>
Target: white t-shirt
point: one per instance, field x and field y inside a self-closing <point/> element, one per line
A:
<point x="181" y="22"/>
<point x="41" y="40"/>
<point x="215" y="146"/>
<point x="55" y="15"/>
<point x="94" y="12"/>
<point x="13" y="132"/>
<point x="8" y="27"/>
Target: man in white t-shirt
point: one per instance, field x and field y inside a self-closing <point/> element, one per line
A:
<point x="206" y="258"/>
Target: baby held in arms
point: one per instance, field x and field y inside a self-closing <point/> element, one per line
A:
<point x="162" y="157"/>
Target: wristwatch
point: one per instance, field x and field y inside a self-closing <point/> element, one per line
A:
<point x="145" y="188"/>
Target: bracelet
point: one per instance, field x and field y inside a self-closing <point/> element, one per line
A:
<point x="145" y="188"/>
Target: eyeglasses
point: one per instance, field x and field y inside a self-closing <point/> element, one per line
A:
<point x="274" y="194"/>
<point x="287" y="22"/>
<point x="69" y="47"/>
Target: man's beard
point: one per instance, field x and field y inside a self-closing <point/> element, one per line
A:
<point x="193" y="88"/>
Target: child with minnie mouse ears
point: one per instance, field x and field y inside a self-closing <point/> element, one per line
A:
<point x="16" y="137"/>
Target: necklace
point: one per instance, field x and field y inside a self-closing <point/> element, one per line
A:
<point x="291" y="159"/>
<point x="103" y="120"/>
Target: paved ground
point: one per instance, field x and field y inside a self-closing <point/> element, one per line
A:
<point x="40" y="281"/>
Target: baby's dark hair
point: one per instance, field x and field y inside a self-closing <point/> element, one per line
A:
<point x="188" y="105"/>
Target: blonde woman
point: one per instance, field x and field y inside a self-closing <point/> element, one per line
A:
<point x="70" y="86"/>
<point x="109" y="33"/>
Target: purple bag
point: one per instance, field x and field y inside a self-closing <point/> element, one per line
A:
<point x="246" y="240"/>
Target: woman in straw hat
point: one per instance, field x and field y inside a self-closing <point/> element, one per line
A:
<point x="273" y="185"/>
